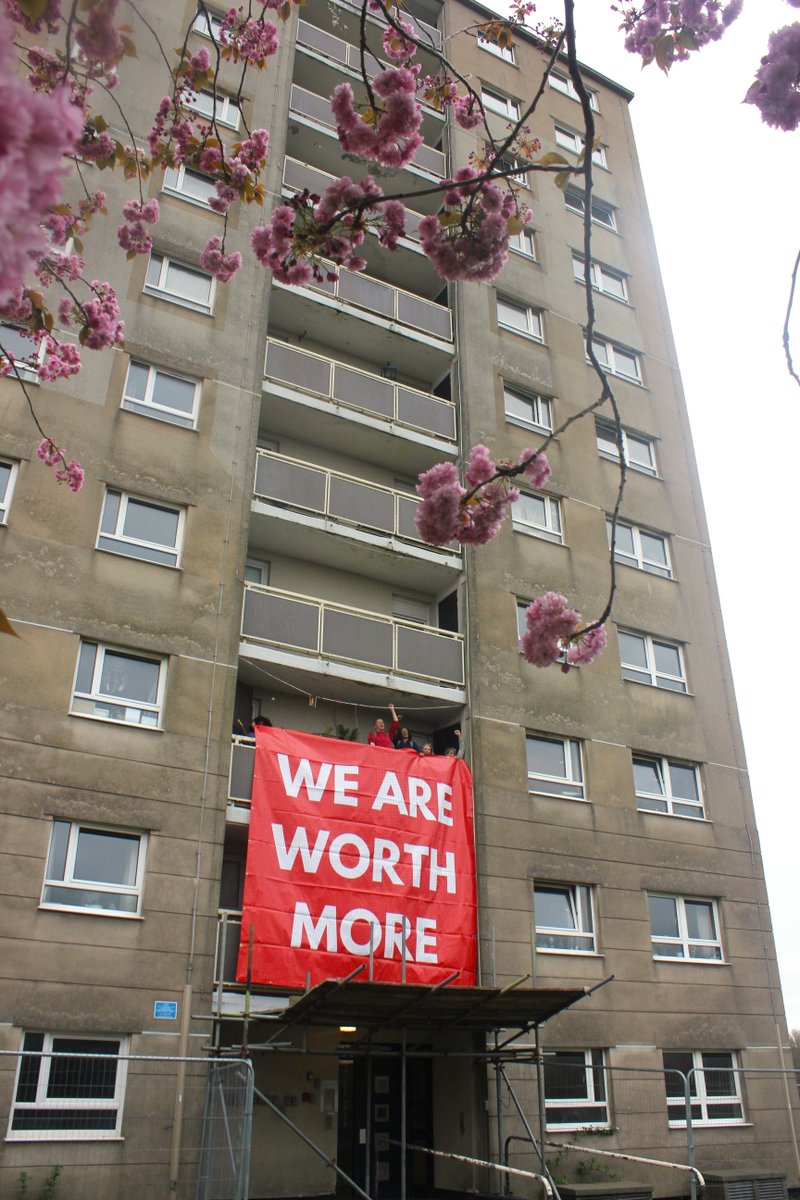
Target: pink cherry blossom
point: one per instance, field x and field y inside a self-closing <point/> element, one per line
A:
<point x="587" y="647"/>
<point x="48" y="452"/>
<point x="550" y="623"/>
<point x="396" y="46"/>
<point x="247" y="39"/>
<point x="469" y="238"/>
<point x="438" y="517"/>
<point x="467" y="111"/>
<point x="390" y="133"/>
<point x="537" y="468"/>
<point x="776" y="91"/>
<point x="222" y="266"/>
<point x="100" y="318"/>
<point x="134" y="237"/>
<point x="61" y="360"/>
<point x="450" y="512"/>
<point x="73" y="475"/>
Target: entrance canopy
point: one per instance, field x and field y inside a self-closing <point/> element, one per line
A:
<point x="336" y="1003"/>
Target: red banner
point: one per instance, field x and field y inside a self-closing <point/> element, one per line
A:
<point x="352" y="846"/>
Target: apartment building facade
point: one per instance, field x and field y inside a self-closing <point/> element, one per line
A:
<point x="245" y="545"/>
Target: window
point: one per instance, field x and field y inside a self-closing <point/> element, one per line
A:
<point x="563" y="83"/>
<point x="520" y="317"/>
<point x="523" y="242"/>
<point x="538" y="515"/>
<point x="648" y="660"/>
<point x="563" y="914"/>
<point x="496" y="102"/>
<point x="604" y="279"/>
<point x="569" y="140"/>
<point x="8" y="478"/>
<point x="155" y="393"/>
<point x="714" y="1089"/>
<point x="528" y="409"/>
<point x="191" y="185"/>
<point x="179" y="283"/>
<point x="618" y="360"/>
<point x="641" y="548"/>
<point x="664" y="785"/>
<point x="407" y="608"/>
<point x="575" y="1089"/>
<point x="504" y="52"/>
<point x="602" y="213"/>
<point x="23" y="353"/>
<point x="256" y="571"/>
<point x="684" y="928"/>
<point x="141" y="528"/>
<point x="94" y="869"/>
<point x="639" y="451"/>
<point x="224" y="109"/>
<point x="116" y="685"/>
<point x="209" y="24"/>
<point x="554" y="766"/>
<point x="68" y="1087"/>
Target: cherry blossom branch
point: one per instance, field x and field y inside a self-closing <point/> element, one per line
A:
<point x="789" y="307"/>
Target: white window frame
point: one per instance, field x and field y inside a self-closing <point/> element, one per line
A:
<point x="411" y="609"/>
<point x="603" y="214"/>
<point x="553" y="939"/>
<point x="118" y="542"/>
<point x="563" y="83"/>
<point x="649" y="674"/>
<point x="208" y="24"/>
<point x="592" y="1104"/>
<point x="224" y="109"/>
<point x="26" y="371"/>
<point x="141" y="714"/>
<point x="613" y="355"/>
<point x="92" y="896"/>
<point x="149" y="406"/>
<point x="703" y="1102"/>
<point x="570" y="785"/>
<point x="699" y="951"/>
<point x="533" y="319"/>
<point x="262" y="567"/>
<point x="523" y="243"/>
<point x="175" y="178"/>
<point x="607" y="280"/>
<point x="36" y="1068"/>
<point x="574" y="142"/>
<point x="640" y="558"/>
<point x="551" y="529"/>
<point x="7" y="491"/>
<point x="504" y="52"/>
<point x="541" y="418"/>
<point x="667" y="802"/>
<point x="605" y="435"/>
<point x="499" y="103"/>
<point x="164" y="264"/>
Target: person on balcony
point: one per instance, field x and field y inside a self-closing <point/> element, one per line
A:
<point x="404" y="741"/>
<point x="379" y="737"/>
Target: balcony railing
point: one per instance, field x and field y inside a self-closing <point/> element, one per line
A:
<point x="360" y="390"/>
<point x="229" y="932"/>
<point x="298" y="176"/>
<point x="240" y="782"/>
<point x="317" y="108"/>
<point x="364" y="639"/>
<point x="384" y="300"/>
<point x="308" y="488"/>
<point x="427" y="34"/>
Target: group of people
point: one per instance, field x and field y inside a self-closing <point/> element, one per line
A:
<point x="399" y="738"/>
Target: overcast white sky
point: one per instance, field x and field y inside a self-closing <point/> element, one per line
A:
<point x="724" y="197"/>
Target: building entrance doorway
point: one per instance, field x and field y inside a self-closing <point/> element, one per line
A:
<point x="370" y="1121"/>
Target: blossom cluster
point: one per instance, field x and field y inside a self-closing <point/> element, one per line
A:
<point x="310" y="231"/>
<point x="468" y="238"/>
<point x="133" y="235"/>
<point x="71" y="472"/>
<point x="472" y="515"/>
<point x="776" y="90"/>
<point x="389" y="132"/>
<point x="552" y="634"/>
<point x="666" y="31"/>
<point x="247" y="39"/>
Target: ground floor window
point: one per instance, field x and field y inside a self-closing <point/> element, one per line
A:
<point x="68" y="1088"/>
<point x="714" y="1087"/>
<point x="575" y="1089"/>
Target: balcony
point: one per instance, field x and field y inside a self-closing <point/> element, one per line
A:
<point x="228" y="999"/>
<point x="356" y="412"/>
<point x="325" y="59"/>
<point x="323" y="641"/>
<point x="390" y="323"/>
<point x="310" y="115"/>
<point x="343" y="19"/>
<point x="298" y="505"/>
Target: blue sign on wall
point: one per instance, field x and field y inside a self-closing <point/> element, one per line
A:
<point x="165" y="1010"/>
